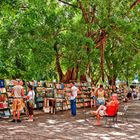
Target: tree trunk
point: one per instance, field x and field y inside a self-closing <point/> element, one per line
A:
<point x="99" y="37"/>
<point x="71" y="75"/>
<point x="134" y="4"/>
<point x="58" y="67"/>
<point x="112" y="80"/>
<point x="83" y="78"/>
<point x="102" y="61"/>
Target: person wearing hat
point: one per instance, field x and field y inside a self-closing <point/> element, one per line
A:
<point x="17" y="106"/>
<point x="110" y="109"/>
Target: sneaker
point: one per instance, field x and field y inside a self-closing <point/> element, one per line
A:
<point x="13" y="120"/>
<point x="18" y="121"/>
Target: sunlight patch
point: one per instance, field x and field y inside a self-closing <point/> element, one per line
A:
<point x="81" y="128"/>
<point x="130" y="125"/>
<point x="96" y="134"/>
<point x="57" y="130"/>
<point x="134" y="137"/>
<point x="41" y="124"/>
<point x="80" y="120"/>
<point x="105" y="138"/>
<point x="51" y="121"/>
<point x="16" y="127"/>
<point x="118" y="133"/>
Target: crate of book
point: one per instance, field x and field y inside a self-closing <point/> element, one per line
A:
<point x="60" y="97"/>
<point x="4" y="106"/>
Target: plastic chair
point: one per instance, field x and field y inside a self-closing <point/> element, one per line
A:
<point x="123" y="113"/>
<point x="111" y="119"/>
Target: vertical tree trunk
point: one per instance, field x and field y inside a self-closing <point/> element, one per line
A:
<point x="112" y="80"/>
<point x="102" y="61"/>
<point x="71" y="75"/>
<point x="58" y="67"/>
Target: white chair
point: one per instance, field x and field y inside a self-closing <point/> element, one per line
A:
<point x="123" y="113"/>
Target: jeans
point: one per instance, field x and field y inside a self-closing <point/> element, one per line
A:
<point x="73" y="107"/>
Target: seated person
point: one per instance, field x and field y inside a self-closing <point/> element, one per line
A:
<point x="100" y="94"/>
<point x="110" y="109"/>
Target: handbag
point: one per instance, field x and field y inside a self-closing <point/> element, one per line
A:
<point x="31" y="103"/>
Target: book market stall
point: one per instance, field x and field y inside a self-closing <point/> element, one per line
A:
<point x="4" y="103"/>
<point x="58" y="99"/>
<point x="50" y="97"/>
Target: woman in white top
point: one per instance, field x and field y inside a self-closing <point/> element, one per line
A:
<point x="30" y="102"/>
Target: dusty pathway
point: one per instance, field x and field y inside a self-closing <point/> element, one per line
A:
<point x="64" y="127"/>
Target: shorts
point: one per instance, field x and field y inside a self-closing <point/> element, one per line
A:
<point x="17" y="104"/>
<point x="93" y="97"/>
<point x="30" y="109"/>
<point x="100" y="102"/>
<point x="129" y="95"/>
<point x="102" y="113"/>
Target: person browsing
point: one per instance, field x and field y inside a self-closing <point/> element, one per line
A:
<point x="30" y="102"/>
<point x="73" y="96"/>
<point x="17" y="106"/>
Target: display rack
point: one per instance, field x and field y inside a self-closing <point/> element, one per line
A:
<point x="40" y="94"/>
<point x="85" y="95"/>
<point x="54" y="98"/>
<point x="4" y="106"/>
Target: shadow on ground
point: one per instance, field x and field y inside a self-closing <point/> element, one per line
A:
<point x="64" y="127"/>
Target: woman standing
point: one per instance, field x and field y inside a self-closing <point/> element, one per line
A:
<point x="30" y="102"/>
<point x="100" y="95"/>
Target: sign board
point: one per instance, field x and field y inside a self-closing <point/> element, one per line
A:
<point x="1" y="83"/>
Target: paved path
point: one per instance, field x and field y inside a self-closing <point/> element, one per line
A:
<point x="64" y="127"/>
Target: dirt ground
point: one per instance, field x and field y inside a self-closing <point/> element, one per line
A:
<point x="62" y="126"/>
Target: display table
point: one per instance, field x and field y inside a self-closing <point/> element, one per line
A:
<point x="52" y="102"/>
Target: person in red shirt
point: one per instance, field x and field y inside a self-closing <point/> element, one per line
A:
<point x="110" y="109"/>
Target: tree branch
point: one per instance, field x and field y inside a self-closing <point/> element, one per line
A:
<point x="85" y="14"/>
<point x="67" y="3"/>
<point x="134" y="4"/>
<point x="93" y="14"/>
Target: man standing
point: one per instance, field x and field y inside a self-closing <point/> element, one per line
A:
<point x="73" y="96"/>
<point x="18" y="93"/>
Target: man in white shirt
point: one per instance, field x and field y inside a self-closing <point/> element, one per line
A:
<point x="73" y="96"/>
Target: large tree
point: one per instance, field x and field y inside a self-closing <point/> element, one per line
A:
<point x="77" y="39"/>
<point x="111" y="28"/>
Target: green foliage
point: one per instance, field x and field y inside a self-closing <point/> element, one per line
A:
<point x="30" y="28"/>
